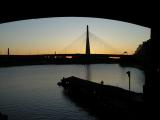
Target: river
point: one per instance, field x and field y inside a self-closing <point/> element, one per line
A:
<point x="31" y="92"/>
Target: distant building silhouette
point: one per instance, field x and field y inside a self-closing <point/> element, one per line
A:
<point x="8" y="51"/>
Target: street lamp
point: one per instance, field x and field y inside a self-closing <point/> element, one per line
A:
<point x="128" y="72"/>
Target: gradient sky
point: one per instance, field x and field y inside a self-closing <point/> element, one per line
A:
<point x="47" y="35"/>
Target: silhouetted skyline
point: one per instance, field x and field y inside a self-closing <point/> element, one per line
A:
<point x="47" y="35"/>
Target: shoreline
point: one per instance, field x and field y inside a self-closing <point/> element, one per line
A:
<point x="102" y="99"/>
<point x="134" y="65"/>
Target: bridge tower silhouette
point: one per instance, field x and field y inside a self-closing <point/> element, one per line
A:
<point x="87" y="42"/>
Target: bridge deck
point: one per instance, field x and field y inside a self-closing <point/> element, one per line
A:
<point x="110" y="55"/>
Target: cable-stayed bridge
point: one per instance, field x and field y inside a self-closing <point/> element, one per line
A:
<point x="88" y="43"/>
<point x="82" y="50"/>
<point x="82" y="47"/>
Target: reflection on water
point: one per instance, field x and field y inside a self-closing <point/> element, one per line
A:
<point x="31" y="92"/>
<point x="115" y="75"/>
<point x="88" y="72"/>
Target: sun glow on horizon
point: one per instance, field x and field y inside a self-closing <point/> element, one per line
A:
<point x="67" y="35"/>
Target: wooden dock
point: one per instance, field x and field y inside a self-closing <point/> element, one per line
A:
<point x="103" y="98"/>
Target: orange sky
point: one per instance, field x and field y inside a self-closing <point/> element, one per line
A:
<point x="67" y="34"/>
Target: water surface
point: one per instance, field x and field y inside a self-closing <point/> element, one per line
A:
<point x="31" y="92"/>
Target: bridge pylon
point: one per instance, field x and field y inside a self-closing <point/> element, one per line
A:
<point x="87" y="42"/>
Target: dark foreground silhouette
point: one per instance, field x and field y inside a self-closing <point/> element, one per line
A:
<point x="17" y="60"/>
<point x="3" y="116"/>
<point x="103" y="101"/>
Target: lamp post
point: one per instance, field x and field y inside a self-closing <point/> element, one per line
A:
<point x="128" y="72"/>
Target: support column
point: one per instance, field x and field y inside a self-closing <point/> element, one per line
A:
<point x="87" y="43"/>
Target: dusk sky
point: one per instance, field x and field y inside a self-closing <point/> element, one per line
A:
<point x="64" y="34"/>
